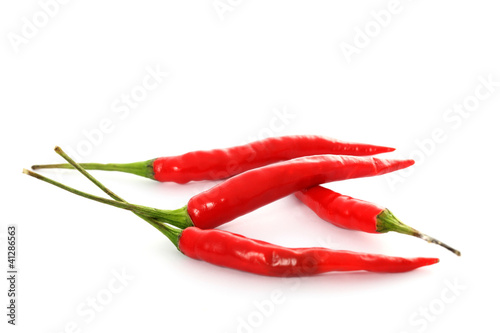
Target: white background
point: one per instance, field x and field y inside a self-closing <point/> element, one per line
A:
<point x="259" y="68"/>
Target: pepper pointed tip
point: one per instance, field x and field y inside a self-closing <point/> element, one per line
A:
<point x="429" y="261"/>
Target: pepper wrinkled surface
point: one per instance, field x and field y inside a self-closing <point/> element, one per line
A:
<point x="341" y="210"/>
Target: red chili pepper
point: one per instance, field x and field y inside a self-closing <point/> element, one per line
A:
<point x="231" y="250"/>
<point x="355" y="214"/>
<point x="235" y="251"/>
<point x="255" y="188"/>
<point x="224" y="163"/>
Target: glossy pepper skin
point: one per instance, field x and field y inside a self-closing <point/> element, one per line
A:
<point x="255" y="188"/>
<point x="223" y="163"/>
<point x="341" y="210"/>
<point x="235" y="251"/>
<point x="355" y="214"/>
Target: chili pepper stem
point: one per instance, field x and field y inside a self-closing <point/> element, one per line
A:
<point x="144" y="168"/>
<point x="386" y="221"/>
<point x="174" y="217"/>
<point x="170" y="232"/>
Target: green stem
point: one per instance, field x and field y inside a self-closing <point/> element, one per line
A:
<point x="177" y="217"/>
<point x="144" y="169"/>
<point x="79" y="167"/>
<point x="386" y="222"/>
<point x="171" y="233"/>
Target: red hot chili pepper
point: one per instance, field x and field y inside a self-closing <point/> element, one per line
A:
<point x="224" y="163"/>
<point x="231" y="250"/>
<point x="255" y="188"/>
<point x="355" y="214"/>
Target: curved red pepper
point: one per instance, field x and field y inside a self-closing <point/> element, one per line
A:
<point x="355" y="214"/>
<point x="255" y="188"/>
<point x="224" y="163"/>
<point x="341" y="210"/>
<point x="235" y="251"/>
